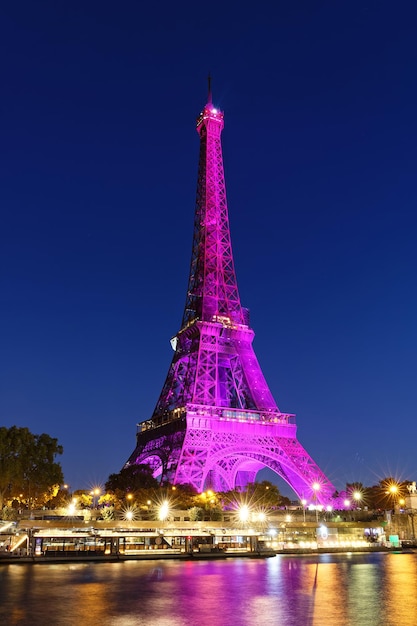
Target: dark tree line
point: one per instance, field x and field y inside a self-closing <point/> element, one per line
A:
<point x="137" y="483"/>
<point x="28" y="469"/>
<point x="387" y="494"/>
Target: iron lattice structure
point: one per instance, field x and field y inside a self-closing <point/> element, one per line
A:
<point x="216" y="423"/>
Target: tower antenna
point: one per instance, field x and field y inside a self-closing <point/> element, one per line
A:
<point x="209" y="101"/>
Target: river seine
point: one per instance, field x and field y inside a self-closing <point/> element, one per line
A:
<point x="378" y="589"/>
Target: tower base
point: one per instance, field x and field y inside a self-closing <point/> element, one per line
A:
<point x="224" y="449"/>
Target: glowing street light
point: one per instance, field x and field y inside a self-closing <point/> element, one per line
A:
<point x="357" y="496"/>
<point x="393" y="492"/>
<point x="130" y="513"/>
<point x="244" y="513"/>
<point x="71" y="507"/>
<point x="163" y="511"/>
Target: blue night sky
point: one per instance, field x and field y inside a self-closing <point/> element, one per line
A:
<point x="98" y="170"/>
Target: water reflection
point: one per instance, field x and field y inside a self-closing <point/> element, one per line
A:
<point x="400" y="598"/>
<point x="339" y="590"/>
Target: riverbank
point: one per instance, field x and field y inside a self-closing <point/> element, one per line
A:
<point x="145" y="556"/>
<point x="82" y="557"/>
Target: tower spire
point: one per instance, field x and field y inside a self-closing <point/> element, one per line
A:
<point x="212" y="288"/>
<point x="209" y="99"/>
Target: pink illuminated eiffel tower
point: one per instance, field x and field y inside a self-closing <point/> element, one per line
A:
<point x="216" y="423"/>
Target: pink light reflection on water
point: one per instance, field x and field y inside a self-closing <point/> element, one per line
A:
<point x="339" y="590"/>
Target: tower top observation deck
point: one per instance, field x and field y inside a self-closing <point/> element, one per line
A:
<point x="210" y="113"/>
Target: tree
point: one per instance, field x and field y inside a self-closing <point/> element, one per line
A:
<point x="131" y="479"/>
<point x="83" y="498"/>
<point x="387" y="494"/>
<point x="358" y="495"/>
<point x="184" y="495"/>
<point x="196" y="514"/>
<point x="28" y="469"/>
<point x="60" y="500"/>
<point x="265" y="494"/>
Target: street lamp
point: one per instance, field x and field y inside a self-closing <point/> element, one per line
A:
<point x="316" y="489"/>
<point x="95" y="493"/>
<point x="392" y="490"/>
<point x="244" y="513"/>
<point x="163" y="511"/>
<point x="261" y="517"/>
<point x="393" y="493"/>
<point x="304" y="502"/>
<point x="71" y="509"/>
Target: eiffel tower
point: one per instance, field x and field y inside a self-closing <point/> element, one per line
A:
<point x="216" y="423"/>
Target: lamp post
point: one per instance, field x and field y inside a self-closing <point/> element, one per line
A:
<point x="411" y="515"/>
<point x="244" y="514"/>
<point x="163" y="511"/>
<point x="316" y="489"/>
<point x="392" y="491"/>
<point x="261" y="518"/>
<point x="329" y="510"/>
<point x="357" y="496"/>
<point x="304" y="502"/>
<point x="95" y="493"/>
<point x="67" y="488"/>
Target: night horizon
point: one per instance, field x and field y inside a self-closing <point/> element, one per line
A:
<point x="98" y="193"/>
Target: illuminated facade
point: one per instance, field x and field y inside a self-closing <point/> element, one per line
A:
<point x="216" y="423"/>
